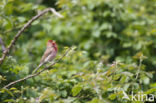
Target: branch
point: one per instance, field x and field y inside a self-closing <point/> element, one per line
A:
<point x="2" y="45"/>
<point x="33" y="75"/>
<point x="137" y="74"/>
<point x="24" y="27"/>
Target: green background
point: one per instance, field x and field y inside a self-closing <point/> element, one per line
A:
<point x="112" y="41"/>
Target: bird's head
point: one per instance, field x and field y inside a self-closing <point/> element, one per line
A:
<point x="52" y="43"/>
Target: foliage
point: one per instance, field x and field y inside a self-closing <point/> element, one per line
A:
<point x="115" y="52"/>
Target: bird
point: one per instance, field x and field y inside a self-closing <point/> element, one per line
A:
<point x="49" y="54"/>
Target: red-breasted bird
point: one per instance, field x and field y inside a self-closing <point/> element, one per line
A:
<point x="49" y="54"/>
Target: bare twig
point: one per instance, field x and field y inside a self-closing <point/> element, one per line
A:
<point x="2" y="45"/>
<point x="33" y="75"/>
<point x="24" y="27"/>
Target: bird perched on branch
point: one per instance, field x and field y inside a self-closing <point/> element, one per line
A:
<point x="49" y="54"/>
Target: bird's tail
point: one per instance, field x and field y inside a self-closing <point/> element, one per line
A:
<point x="38" y="67"/>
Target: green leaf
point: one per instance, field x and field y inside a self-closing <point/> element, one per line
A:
<point x="76" y="89"/>
<point x="94" y="100"/>
<point x="152" y="90"/>
<point x="112" y="96"/>
<point x="96" y="33"/>
<point x="9" y="92"/>
<point x="35" y="22"/>
<point x="64" y="93"/>
<point x="116" y="77"/>
<point x="146" y="80"/>
<point x="9" y="101"/>
<point x="21" y="19"/>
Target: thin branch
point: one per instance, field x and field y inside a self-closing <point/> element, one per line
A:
<point x="137" y="74"/>
<point x="33" y="75"/>
<point x="24" y="27"/>
<point x="2" y="45"/>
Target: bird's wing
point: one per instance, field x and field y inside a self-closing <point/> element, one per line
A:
<point x="46" y="54"/>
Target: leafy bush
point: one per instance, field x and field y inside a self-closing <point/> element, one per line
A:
<point x="115" y="42"/>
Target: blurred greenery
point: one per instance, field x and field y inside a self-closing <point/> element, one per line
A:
<point x="115" y="41"/>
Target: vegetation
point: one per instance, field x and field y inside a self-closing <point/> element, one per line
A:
<point x="113" y="51"/>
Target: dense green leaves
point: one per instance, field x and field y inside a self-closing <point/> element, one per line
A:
<point x="114" y="50"/>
